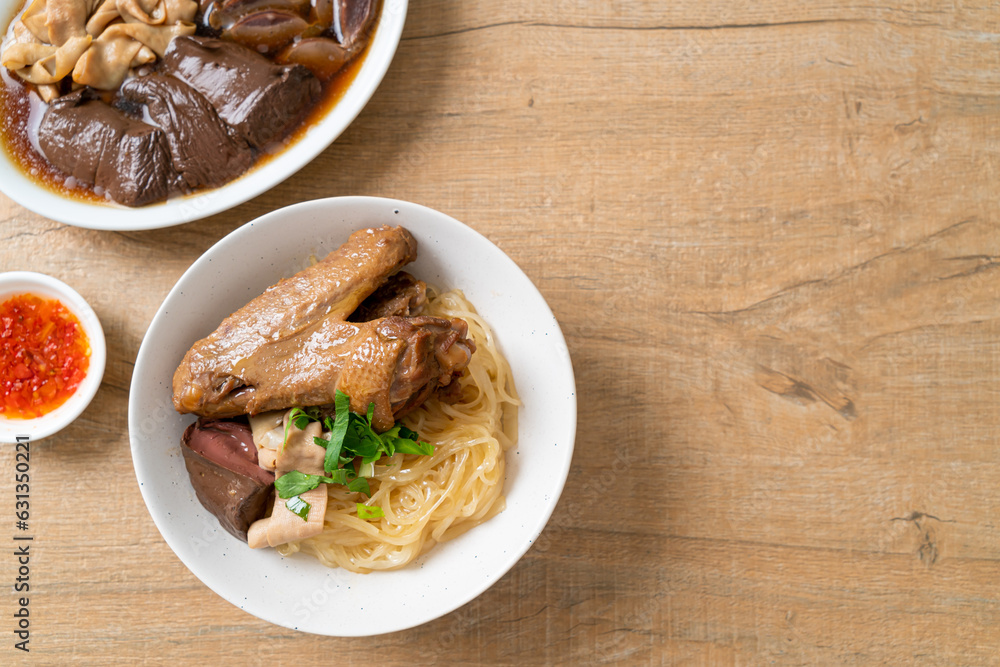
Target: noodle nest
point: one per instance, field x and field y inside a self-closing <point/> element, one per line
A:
<point x="431" y="499"/>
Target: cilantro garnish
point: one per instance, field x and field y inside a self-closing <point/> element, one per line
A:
<point x="294" y="483"/>
<point x="301" y="418"/>
<point x="351" y="437"/>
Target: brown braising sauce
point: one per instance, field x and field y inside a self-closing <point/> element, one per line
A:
<point x="21" y="114"/>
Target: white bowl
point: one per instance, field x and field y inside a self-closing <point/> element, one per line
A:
<point x="96" y="215"/>
<point x="20" y="282"/>
<point x="298" y="592"/>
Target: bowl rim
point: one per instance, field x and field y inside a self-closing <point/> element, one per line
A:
<point x="13" y="283"/>
<point x="259" y="179"/>
<point x="530" y="527"/>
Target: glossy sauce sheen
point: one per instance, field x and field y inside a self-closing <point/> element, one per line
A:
<point x="44" y="356"/>
<point x="21" y="114"/>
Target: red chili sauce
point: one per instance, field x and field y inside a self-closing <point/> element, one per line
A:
<point x="44" y="356"/>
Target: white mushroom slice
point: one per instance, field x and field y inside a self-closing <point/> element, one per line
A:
<point x="268" y="435"/>
<point x="285" y="526"/>
<point x="44" y="63"/>
<point x="300" y="452"/>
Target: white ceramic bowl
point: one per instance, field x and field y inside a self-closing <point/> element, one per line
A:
<point x="20" y="282"/>
<point x="298" y="592"/>
<point x="178" y="210"/>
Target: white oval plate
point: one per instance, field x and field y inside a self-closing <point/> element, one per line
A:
<point x="179" y="210"/>
<point x="298" y="592"/>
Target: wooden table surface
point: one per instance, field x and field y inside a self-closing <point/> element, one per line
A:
<point x="770" y="232"/>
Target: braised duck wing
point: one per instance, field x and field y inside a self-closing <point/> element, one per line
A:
<point x="292" y="346"/>
<point x="393" y="362"/>
<point x="334" y="287"/>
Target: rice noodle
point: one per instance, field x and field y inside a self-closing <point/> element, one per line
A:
<point x="431" y="499"/>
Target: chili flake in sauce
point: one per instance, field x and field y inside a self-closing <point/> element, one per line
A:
<point x="44" y="355"/>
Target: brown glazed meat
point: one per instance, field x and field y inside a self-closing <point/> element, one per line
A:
<point x="99" y="145"/>
<point x="401" y="295"/>
<point x="263" y="101"/>
<point x="394" y="362"/>
<point x="292" y="346"/>
<point x="221" y="461"/>
<point x="204" y="150"/>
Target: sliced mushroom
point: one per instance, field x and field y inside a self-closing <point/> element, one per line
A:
<point x="323" y="56"/>
<point x="284" y="526"/>
<point x="268" y="31"/>
<point x="323" y="12"/>
<point x="227" y="12"/>
<point x="355" y="19"/>
<point x="348" y="20"/>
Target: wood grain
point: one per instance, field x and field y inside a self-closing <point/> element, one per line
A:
<point x="770" y="232"/>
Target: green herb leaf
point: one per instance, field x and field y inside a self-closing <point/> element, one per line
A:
<point x="413" y="446"/>
<point x="293" y="483"/>
<point x="301" y="418"/>
<point x="406" y="433"/>
<point x="351" y="437"/>
<point x="296" y="505"/>
<point x="368" y="512"/>
<point x="360" y="485"/>
<point x="367" y="444"/>
<point x="342" y="404"/>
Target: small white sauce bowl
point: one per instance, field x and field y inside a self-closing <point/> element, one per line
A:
<point x="26" y="282"/>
